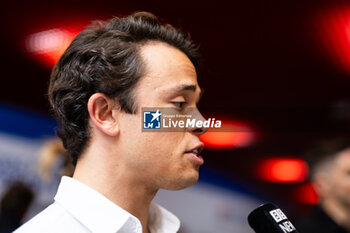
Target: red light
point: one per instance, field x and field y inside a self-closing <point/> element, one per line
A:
<point x="334" y="29"/>
<point x="306" y="194"/>
<point x="232" y="135"/>
<point x="48" y="46"/>
<point x="283" y="170"/>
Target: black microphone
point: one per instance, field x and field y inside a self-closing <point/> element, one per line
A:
<point x="268" y="218"/>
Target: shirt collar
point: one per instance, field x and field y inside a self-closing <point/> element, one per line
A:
<point x="168" y="222"/>
<point x="99" y="214"/>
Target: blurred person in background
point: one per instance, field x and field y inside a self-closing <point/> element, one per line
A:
<point x="97" y="90"/>
<point x="329" y="163"/>
<point x="51" y="153"/>
<point x="13" y="205"/>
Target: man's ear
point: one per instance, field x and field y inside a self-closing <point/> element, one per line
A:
<point x="102" y="114"/>
<point x="321" y="183"/>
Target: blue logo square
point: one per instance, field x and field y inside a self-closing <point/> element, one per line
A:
<point x="152" y="120"/>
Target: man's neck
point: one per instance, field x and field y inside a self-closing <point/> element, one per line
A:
<point x="112" y="182"/>
<point x="337" y="212"/>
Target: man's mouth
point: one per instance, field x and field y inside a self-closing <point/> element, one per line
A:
<point x="194" y="154"/>
<point x="197" y="149"/>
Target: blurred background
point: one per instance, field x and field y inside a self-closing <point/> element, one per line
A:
<point x="276" y="72"/>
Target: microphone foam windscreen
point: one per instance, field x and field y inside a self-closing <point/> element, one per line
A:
<point x="268" y="218"/>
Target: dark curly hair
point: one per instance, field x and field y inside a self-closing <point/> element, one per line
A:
<point x="104" y="58"/>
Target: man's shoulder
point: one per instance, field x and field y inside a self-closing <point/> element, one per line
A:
<point x="318" y="221"/>
<point x="52" y="219"/>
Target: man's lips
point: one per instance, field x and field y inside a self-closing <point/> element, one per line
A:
<point x="194" y="154"/>
<point x="197" y="149"/>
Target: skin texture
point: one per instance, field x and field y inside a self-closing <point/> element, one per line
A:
<point x="128" y="166"/>
<point x="333" y="186"/>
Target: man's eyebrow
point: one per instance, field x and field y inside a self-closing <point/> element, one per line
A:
<point x="187" y="87"/>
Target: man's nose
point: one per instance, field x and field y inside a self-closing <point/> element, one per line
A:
<point x="198" y="117"/>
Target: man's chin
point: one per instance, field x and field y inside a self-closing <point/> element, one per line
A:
<point x="183" y="182"/>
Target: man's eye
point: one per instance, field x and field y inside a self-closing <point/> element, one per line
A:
<point x="180" y="104"/>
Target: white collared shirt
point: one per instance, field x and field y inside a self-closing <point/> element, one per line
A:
<point x="80" y="209"/>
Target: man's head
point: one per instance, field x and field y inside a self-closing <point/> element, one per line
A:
<point x="105" y="58"/>
<point x="105" y="77"/>
<point x="329" y="163"/>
